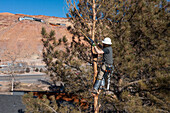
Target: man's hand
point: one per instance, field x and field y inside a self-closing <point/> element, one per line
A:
<point x="93" y="50"/>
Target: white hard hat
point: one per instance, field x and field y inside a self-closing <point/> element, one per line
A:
<point x="107" y="40"/>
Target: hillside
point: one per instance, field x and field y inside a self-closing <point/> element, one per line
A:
<point x="23" y="38"/>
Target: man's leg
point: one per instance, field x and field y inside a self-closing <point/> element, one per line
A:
<point x="100" y="77"/>
<point x="102" y="85"/>
<point x="108" y="82"/>
<point x="109" y="76"/>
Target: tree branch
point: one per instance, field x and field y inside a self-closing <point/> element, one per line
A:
<point x="49" y="107"/>
<point x="134" y="82"/>
<point x="81" y="16"/>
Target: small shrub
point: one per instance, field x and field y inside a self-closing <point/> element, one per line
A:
<point x="27" y="70"/>
<point x="41" y="70"/>
<point x="36" y="69"/>
<point x="65" y="39"/>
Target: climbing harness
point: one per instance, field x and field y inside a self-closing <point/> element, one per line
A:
<point x="107" y="75"/>
<point x="100" y="83"/>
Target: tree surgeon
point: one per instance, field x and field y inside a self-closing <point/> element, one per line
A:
<point x="107" y="64"/>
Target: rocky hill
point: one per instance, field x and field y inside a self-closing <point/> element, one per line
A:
<point x="23" y="38"/>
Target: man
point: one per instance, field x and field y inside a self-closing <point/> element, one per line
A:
<point x="107" y="64"/>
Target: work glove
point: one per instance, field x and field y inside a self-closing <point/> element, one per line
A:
<point x="93" y="44"/>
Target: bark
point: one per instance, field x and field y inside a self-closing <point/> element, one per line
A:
<point x="96" y="107"/>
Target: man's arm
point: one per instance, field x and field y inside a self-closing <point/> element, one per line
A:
<point x="98" y="51"/>
<point x="98" y="44"/>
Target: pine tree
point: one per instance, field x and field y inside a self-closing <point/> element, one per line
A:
<point x="139" y="32"/>
<point x="66" y="65"/>
<point x="140" y="47"/>
<point x="140" y="37"/>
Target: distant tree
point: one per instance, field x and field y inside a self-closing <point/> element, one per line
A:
<point x="12" y="57"/>
<point x="27" y="70"/>
<point x="36" y="69"/>
<point x="41" y="70"/>
<point x="65" y="39"/>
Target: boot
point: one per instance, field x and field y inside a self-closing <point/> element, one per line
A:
<point x="96" y="86"/>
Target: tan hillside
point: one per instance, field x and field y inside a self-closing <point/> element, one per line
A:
<point x="6" y="13"/>
<point x="24" y="37"/>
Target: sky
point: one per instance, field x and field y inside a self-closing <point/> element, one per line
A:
<point x="55" y="8"/>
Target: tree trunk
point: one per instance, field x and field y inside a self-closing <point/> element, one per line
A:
<point x="94" y="58"/>
<point x="96" y="108"/>
<point x="12" y="87"/>
<point x="93" y="37"/>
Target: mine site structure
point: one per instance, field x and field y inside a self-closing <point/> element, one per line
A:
<point x="40" y="20"/>
<point x="31" y="18"/>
